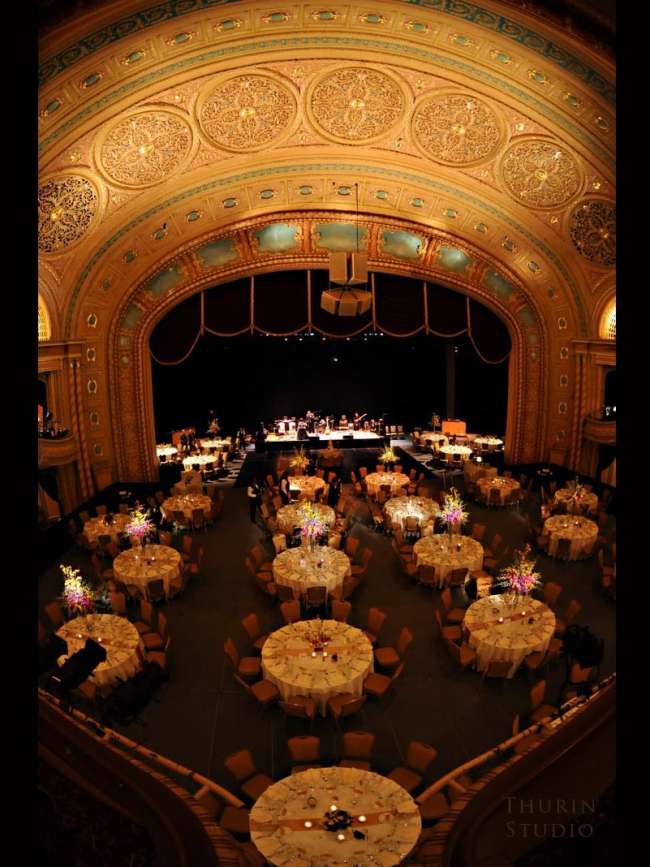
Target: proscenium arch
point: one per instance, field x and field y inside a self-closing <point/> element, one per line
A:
<point x="130" y="379"/>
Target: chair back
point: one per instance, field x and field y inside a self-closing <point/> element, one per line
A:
<point x="118" y="603"/>
<point x="252" y="626"/>
<point x="146" y="611"/>
<point x="537" y="694"/>
<point x="452" y="647"/>
<point x="404" y="641"/>
<point x="291" y="709"/>
<point x="162" y="625"/>
<point x="285" y="594"/>
<point x="427" y="575"/>
<point x="123" y="509"/>
<point x="457" y="577"/>
<point x="579" y="674"/>
<point x="573" y="609"/>
<point x="352" y="706"/>
<point x="358" y="745"/>
<point x="156" y="589"/>
<point x="551" y="592"/>
<point x="563" y="549"/>
<point x="340" y="610"/>
<point x="279" y="542"/>
<point x="304" y="748"/>
<point x="188" y="544"/>
<point x="495" y="496"/>
<point x="419" y="756"/>
<point x="445" y="597"/>
<point x="290" y="611"/>
<point x="351" y="546"/>
<point x="496" y="543"/>
<point x="315" y="596"/>
<point x="165" y="538"/>
<point x="241" y="765"/>
<point x="411" y="524"/>
<point x="231" y="652"/>
<point x="178" y="516"/>
<point x="101" y="510"/>
<point x="497" y="668"/>
<point x="376" y="619"/>
<point x="55" y="613"/>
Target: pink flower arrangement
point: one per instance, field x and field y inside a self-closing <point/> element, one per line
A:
<point x="453" y="512"/>
<point x="139" y="526"/>
<point x="520" y="577"/>
<point x="312" y="525"/>
<point x="77" y="594"/>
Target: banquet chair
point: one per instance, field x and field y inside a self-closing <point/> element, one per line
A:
<point x="267" y="587"/>
<point x="279" y="542"/>
<point x="366" y="557"/>
<point x="55" y="614"/>
<point x="507" y="474"/>
<point x="198" y="519"/>
<point x="156" y="640"/>
<point x="194" y="566"/>
<point x="411" y="526"/>
<point x="379" y="685"/>
<point x="390" y="657"/>
<point x="418" y="760"/>
<point x="251" y="781"/>
<point x="449" y="633"/>
<point x="340" y="610"/>
<point x="258" y="556"/>
<point x="290" y="611"/>
<point x="314" y="600"/>
<point x="494" y="498"/>
<point x="350" y="584"/>
<point x="134" y="592"/>
<point x="180" y="520"/>
<point x="478" y="532"/>
<point x="399" y="468"/>
<point x="563" y="549"/>
<point x="261" y="575"/>
<point x="457" y="577"/>
<point x="344" y="705"/>
<point x="165" y="538"/>
<point x="271" y="483"/>
<point x="426" y="575"/>
<point x="356" y="751"/>
<point x="161" y="657"/>
<point x="560" y="508"/>
<point x="118" y="603"/>
<point x="253" y="629"/>
<point x="464" y="655"/>
<point x="452" y="615"/>
<point x="538" y="710"/>
<point x="494" y="547"/>
<point x="351" y="546"/>
<point x="156" y="590"/>
<point x="320" y="473"/>
<point x="496" y="668"/>
<point x="304" y="751"/>
<point x="403" y="547"/>
<point x="247" y="667"/>
<point x="145" y="623"/>
<point x="234" y="820"/>
<point x="540" y="659"/>
<point x="573" y="609"/>
<point x="84" y="516"/>
<point x="551" y="591"/>
<point x="300" y="707"/>
<point x="101" y="509"/>
<point x="374" y="623"/>
<point x="377" y="518"/>
<point x="284" y="593"/>
<point x="123" y="508"/>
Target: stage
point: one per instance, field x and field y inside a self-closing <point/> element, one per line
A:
<point x="358" y="439"/>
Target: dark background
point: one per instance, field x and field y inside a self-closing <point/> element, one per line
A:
<point x="248" y="378"/>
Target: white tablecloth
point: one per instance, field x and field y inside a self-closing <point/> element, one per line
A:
<point x="581" y="531"/>
<point x="166" y="450"/>
<point x="498" y="483"/>
<point x="118" y="636"/>
<point x="429" y="437"/>
<point x="398" y="509"/>
<point x="217" y="444"/>
<point x="514" y="638"/>
<point x="140" y="565"/>
<point x="307" y="485"/>
<point x="201" y="460"/>
<point x="472" y="471"/>
<point x="289" y="517"/>
<point x="586" y="500"/>
<point x="95" y="527"/>
<point x="298" y="568"/>
<point x="186" y="504"/>
<point x="277" y="820"/>
<point x="287" y="661"/>
<point x="491" y="442"/>
<point x="397" y="482"/>
<point x="463" y="451"/>
<point x="444" y="555"/>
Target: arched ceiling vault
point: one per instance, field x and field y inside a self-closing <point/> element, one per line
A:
<point x="162" y="128"/>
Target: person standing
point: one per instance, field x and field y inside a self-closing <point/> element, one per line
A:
<point x="334" y="492"/>
<point x="254" y="494"/>
<point x="284" y="487"/>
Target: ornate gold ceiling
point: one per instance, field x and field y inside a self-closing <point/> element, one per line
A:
<point x="164" y="126"/>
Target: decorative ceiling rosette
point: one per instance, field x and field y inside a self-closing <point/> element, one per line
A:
<point x="355" y="104"/>
<point x="456" y="129"/>
<point x="66" y="207"/>
<point x="593" y="231"/>
<point x="540" y="173"/>
<point x="144" y="148"/>
<point x="248" y="112"/>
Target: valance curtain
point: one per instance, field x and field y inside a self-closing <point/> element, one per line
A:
<point x="284" y="303"/>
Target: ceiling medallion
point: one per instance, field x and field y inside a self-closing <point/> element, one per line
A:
<point x="593" y="231"/>
<point x="66" y="207"/>
<point x="540" y="173"/>
<point x="247" y="112"/>
<point x="144" y="148"/>
<point x="355" y="104"/>
<point x="456" y="129"/>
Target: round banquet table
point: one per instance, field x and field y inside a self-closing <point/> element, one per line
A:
<point x="214" y="444"/>
<point x="201" y="460"/>
<point x="441" y="553"/>
<point x="287" y="661"/>
<point x="430" y="438"/>
<point x="463" y="451"/>
<point x="307" y="485"/>
<point x="581" y="531"/>
<point x="298" y="568"/>
<point x="397" y="482"/>
<point x="95" y="527"/>
<point x="502" y="484"/>
<point x="289" y="517"/>
<point x="513" y="639"/>
<point x="166" y="450"/>
<point x="587" y="500"/>
<point x="474" y="471"/>
<point x="492" y="443"/>
<point x="185" y="504"/>
<point x="141" y="565"/>
<point x="398" y="509"/>
<point x="277" y="820"/>
<point x="118" y="636"/>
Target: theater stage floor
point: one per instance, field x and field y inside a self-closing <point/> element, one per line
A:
<point x="357" y="439"/>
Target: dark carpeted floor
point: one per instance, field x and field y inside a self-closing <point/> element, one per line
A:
<point x="202" y="714"/>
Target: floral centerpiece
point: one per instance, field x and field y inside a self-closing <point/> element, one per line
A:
<point x="139" y="526"/>
<point x="578" y="490"/>
<point x="77" y="594"/>
<point x="520" y="579"/>
<point x="453" y="513"/>
<point x="312" y="525"/>
<point x="317" y="637"/>
<point x="299" y="461"/>
<point x="388" y="458"/>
